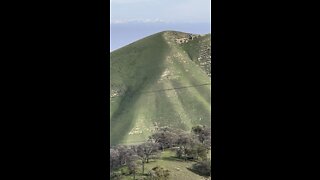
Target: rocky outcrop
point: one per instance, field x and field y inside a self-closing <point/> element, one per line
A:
<point x="204" y="58"/>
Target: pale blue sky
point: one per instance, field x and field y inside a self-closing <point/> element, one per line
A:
<point x="161" y="10"/>
<point x="132" y="20"/>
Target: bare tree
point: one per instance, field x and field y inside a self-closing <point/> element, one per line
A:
<point x="123" y="153"/>
<point x="146" y="151"/>
<point x="114" y="158"/>
<point x="166" y="137"/>
<point x="203" y="133"/>
<point x="185" y="142"/>
<point x="133" y="165"/>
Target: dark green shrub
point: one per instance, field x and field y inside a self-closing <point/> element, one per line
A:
<point x="203" y="168"/>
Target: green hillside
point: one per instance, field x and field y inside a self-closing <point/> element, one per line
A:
<point x="161" y="80"/>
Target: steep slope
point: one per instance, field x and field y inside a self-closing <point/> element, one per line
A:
<point x="161" y="80"/>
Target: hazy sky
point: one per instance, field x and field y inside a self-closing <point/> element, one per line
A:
<point x="132" y="20"/>
<point x="161" y="10"/>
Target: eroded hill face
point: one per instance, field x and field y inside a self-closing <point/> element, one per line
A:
<point x="161" y="80"/>
<point x="198" y="47"/>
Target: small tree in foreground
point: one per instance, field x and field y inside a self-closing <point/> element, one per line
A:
<point x="147" y="151"/>
<point x="133" y="165"/>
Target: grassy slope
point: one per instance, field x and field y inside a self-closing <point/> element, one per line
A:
<point x="154" y="63"/>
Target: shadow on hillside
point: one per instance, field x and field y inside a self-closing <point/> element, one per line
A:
<point x="196" y="172"/>
<point x="172" y="158"/>
<point x="137" y="78"/>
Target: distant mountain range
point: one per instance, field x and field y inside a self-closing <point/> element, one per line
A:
<point x="161" y="80"/>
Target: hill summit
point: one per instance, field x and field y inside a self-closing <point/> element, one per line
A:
<point x="161" y="80"/>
